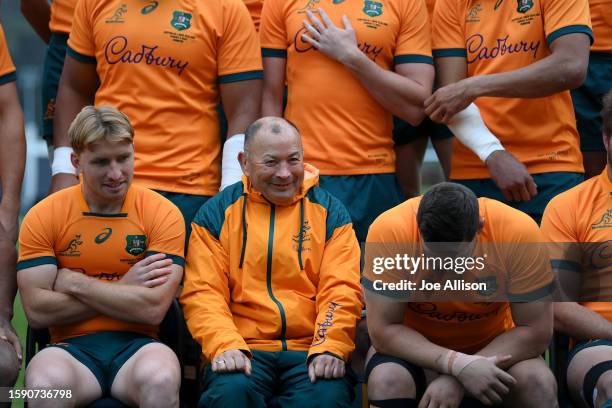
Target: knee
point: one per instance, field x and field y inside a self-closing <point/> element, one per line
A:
<point x="539" y="384"/>
<point x="47" y="376"/>
<point x="9" y="365"/>
<point x="604" y="385"/>
<point x="390" y="381"/>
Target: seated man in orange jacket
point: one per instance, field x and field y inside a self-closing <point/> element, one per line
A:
<point x="272" y="281"/>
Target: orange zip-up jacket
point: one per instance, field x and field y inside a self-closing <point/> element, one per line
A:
<point x="273" y="278"/>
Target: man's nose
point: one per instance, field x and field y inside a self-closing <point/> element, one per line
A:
<point x="114" y="172"/>
<point x="283" y="171"/>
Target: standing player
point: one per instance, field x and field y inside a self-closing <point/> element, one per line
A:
<point x="349" y="66"/>
<point x="99" y="265"/>
<point x="165" y="64"/>
<point x="582" y="216"/>
<point x="511" y="61"/>
<point x="12" y="162"/>
<point x="489" y="350"/>
<point x="587" y="98"/>
<point x="52" y="24"/>
<point x="411" y="144"/>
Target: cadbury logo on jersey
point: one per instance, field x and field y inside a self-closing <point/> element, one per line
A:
<point x="117" y="51"/>
<point x="477" y="50"/>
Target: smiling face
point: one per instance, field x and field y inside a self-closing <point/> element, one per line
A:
<point x="107" y="169"/>
<point x="274" y="161"/>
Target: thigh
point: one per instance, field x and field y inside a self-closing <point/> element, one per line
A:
<point x="55" y="367"/>
<point x="580" y="364"/>
<point x="134" y="368"/>
<point x="189" y="205"/>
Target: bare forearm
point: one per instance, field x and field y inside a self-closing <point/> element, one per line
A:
<point x="49" y="308"/>
<point x="69" y="104"/>
<point x="272" y="102"/>
<point x="8" y="281"/>
<point x="38" y="15"/>
<point x="12" y="156"/>
<point x="400" y="341"/>
<point x="521" y="342"/>
<point x="543" y="78"/>
<point x="398" y="94"/>
<point x="581" y="323"/>
<point x="124" y="302"/>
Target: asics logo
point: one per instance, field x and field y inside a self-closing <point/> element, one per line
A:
<point x="103" y="236"/>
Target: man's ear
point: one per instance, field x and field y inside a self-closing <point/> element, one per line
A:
<point x="74" y="159"/>
<point x="481" y="223"/>
<point x="242" y="160"/>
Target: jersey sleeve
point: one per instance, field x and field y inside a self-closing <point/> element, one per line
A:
<point x="81" y="44"/>
<point x="563" y="17"/>
<point x="239" y="53"/>
<point x="273" y="30"/>
<point x="448" y="37"/>
<point x="36" y="242"/>
<point x="559" y="228"/>
<point x="7" y="68"/>
<point x="529" y="273"/>
<point x="414" y="42"/>
<point x="166" y="231"/>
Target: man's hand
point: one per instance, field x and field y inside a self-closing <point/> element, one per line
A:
<point x="338" y="44"/>
<point x="511" y="176"/>
<point x="449" y="100"/>
<point x="443" y="392"/>
<point x="325" y="366"/>
<point x="152" y="271"/>
<point x="484" y="380"/>
<point x="231" y="361"/>
<point x="61" y="181"/>
<point x="7" y="333"/>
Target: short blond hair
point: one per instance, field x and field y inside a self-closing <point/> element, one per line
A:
<point x="93" y="124"/>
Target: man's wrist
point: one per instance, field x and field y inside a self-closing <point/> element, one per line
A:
<point x="493" y="154"/>
<point x="353" y="58"/>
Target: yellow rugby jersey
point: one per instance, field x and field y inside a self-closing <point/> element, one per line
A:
<point x="61" y="230"/>
<point x="345" y="131"/>
<point x="61" y="15"/>
<point x="469" y="326"/>
<point x="7" y="68"/>
<point x="601" y="17"/>
<point x="161" y="66"/>
<point x="583" y="215"/>
<point x="504" y="35"/>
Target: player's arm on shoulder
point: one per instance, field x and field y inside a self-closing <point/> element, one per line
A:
<point x="273" y="86"/>
<point x="43" y="305"/>
<point x="12" y="157"/>
<point x="529" y="338"/>
<point x="580" y="322"/>
<point x="76" y="89"/>
<point x="38" y="14"/>
<point x="134" y="303"/>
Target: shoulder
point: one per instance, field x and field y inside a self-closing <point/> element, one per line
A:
<point x="506" y="224"/>
<point x="336" y="213"/>
<point x="212" y="214"/>
<point x="397" y="224"/>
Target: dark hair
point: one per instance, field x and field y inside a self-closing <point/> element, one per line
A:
<point x="448" y="212"/>
<point x="606" y="114"/>
<point x="275" y="126"/>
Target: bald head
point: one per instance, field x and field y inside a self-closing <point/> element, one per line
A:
<point x="269" y="128"/>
